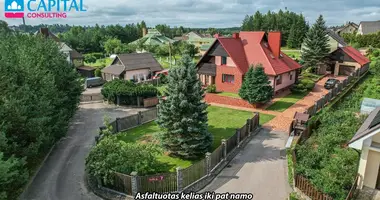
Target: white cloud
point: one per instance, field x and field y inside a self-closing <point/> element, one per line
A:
<point x="209" y="13"/>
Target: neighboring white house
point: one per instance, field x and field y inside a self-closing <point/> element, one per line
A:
<point x="367" y="140"/>
<point x="135" y="66"/>
<point x="369" y="27"/>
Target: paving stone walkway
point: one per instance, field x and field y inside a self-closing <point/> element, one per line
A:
<point x="282" y="121"/>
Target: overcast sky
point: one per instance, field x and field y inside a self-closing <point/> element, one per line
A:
<point x="208" y="13"/>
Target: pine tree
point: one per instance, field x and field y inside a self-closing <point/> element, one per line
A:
<point x="256" y="86"/>
<point x="244" y="26"/>
<point x="315" y="47"/>
<point x="257" y="21"/>
<point x="183" y="115"/>
<point x="292" y="40"/>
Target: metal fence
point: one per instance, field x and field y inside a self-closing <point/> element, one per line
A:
<point x="166" y="182"/>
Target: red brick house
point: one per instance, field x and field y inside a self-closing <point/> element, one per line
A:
<point x="228" y="59"/>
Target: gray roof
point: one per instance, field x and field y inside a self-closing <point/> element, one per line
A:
<point x="370" y="124"/>
<point x="114" y="69"/>
<point x="370" y="27"/>
<point x="136" y="61"/>
<point x="207" y="69"/>
<point x="336" y="37"/>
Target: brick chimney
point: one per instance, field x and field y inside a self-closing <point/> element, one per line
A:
<point x="274" y="42"/>
<point x="144" y="31"/>
<point x="235" y="35"/>
<point x="216" y="35"/>
<point x="44" y="31"/>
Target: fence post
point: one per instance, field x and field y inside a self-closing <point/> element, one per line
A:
<point x="138" y="101"/>
<point x="134" y="183"/>
<point x="179" y="179"/>
<point x="224" y="148"/>
<point x="117" y="125"/>
<point x="249" y="127"/>
<point x="118" y="100"/>
<point x="208" y="163"/>
<point x="139" y="118"/>
<point x="238" y="137"/>
<point x="315" y="108"/>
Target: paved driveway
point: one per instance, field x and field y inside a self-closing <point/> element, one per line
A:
<point x="260" y="169"/>
<point x="62" y="176"/>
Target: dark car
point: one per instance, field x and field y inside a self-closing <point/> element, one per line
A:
<point x="93" y="82"/>
<point x="330" y="83"/>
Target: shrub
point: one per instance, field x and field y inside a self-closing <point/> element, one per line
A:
<point x="163" y="78"/>
<point x="125" y="89"/>
<point x="376" y="53"/>
<point x="304" y="85"/>
<point x="112" y="155"/>
<point x="89" y="58"/>
<point x="98" y="72"/>
<point x="211" y="89"/>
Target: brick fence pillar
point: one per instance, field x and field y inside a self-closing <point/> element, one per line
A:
<point x="249" y="127"/>
<point x="208" y="163"/>
<point x="224" y="149"/>
<point x="238" y="137"/>
<point x="117" y="125"/>
<point x="134" y="182"/>
<point x="179" y="179"/>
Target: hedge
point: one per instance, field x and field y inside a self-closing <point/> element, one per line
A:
<point x="124" y="88"/>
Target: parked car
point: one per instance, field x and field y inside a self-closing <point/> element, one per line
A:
<point x="331" y="83"/>
<point x="93" y="82"/>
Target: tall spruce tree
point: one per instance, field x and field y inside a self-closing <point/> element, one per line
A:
<point x="256" y="86"/>
<point x="315" y="48"/>
<point x="183" y="114"/>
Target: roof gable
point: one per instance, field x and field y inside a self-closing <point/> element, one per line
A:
<point x="370" y="127"/>
<point x="356" y="55"/>
<point x="135" y="61"/>
<point x="336" y="37"/>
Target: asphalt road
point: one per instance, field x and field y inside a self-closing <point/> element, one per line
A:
<point x="62" y="175"/>
<point x="260" y="168"/>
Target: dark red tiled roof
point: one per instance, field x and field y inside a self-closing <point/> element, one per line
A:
<point x="356" y="55"/>
<point x="252" y="48"/>
<point x="235" y="49"/>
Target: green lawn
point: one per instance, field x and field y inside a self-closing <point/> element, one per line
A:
<point x="99" y="62"/>
<point x="223" y="123"/>
<point x="285" y="102"/>
<point x="229" y="94"/>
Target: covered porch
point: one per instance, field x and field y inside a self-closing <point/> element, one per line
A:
<point x="207" y="73"/>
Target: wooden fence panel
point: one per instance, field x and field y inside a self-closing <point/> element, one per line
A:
<point x="150" y="102"/>
<point x="216" y="156"/>
<point x="308" y="189"/>
<point x="128" y="122"/>
<point x="194" y="173"/>
<point x="243" y="132"/>
<point x="113" y="125"/>
<point x="231" y="143"/>
<point x="166" y="182"/>
<point x="255" y="122"/>
<point x="148" y="115"/>
<point x="122" y="183"/>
